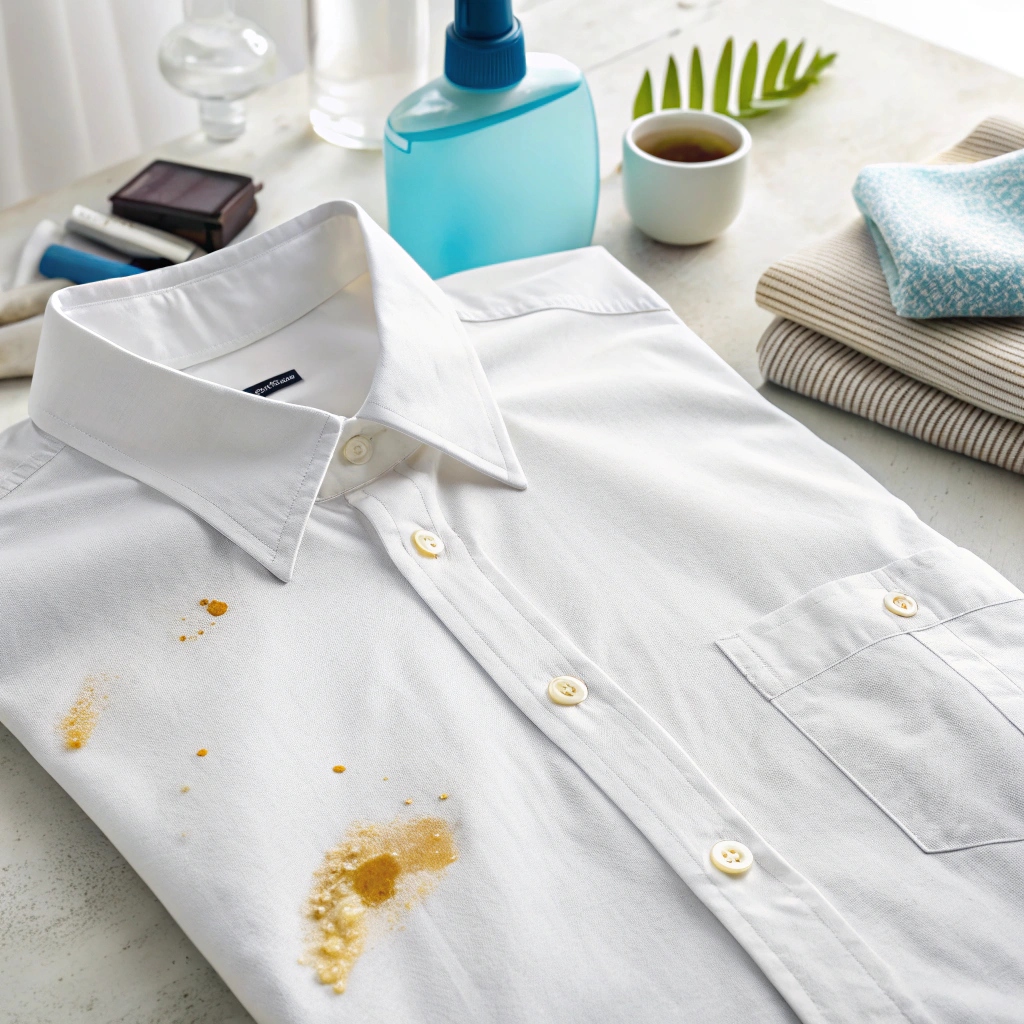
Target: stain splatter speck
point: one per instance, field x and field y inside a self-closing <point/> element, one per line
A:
<point x="202" y="752"/>
<point x="217" y="607"/>
<point x="78" y="724"/>
<point x="339" y="768"/>
<point x="365" y="884"/>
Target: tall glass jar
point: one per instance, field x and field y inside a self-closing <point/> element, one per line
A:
<point x="364" y="56"/>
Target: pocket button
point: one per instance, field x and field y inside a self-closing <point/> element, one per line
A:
<point x="900" y="604"/>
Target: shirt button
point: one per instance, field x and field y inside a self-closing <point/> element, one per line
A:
<point x="567" y="690"/>
<point x="428" y="544"/>
<point x="358" y="450"/>
<point x="900" y="604"/>
<point x="731" y="857"/>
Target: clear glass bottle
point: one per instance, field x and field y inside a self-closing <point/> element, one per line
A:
<point x="364" y="56"/>
<point x="219" y="58"/>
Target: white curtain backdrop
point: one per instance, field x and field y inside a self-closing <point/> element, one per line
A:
<point x="80" y="88"/>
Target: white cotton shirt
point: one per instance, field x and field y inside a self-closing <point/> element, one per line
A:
<point x="607" y="501"/>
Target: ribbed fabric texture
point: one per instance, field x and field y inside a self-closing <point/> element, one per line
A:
<point x="957" y="383"/>
<point x="811" y="364"/>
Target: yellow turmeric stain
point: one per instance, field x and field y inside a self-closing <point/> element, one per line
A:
<point x="339" y="768"/>
<point x="365" y="884"/>
<point x="374" y="880"/>
<point x="202" y="752"/>
<point x="215" y="608"/>
<point x="77" y="725"/>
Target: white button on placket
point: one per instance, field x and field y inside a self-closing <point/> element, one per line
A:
<point x="731" y="857"/>
<point x="567" y="690"/>
<point x="428" y="544"/>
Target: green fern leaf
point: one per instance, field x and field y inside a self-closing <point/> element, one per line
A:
<point x="696" y="81"/>
<point x="748" y="77"/>
<point x="723" y="80"/>
<point x="819" y="63"/>
<point x="670" y="97"/>
<point x="773" y="67"/>
<point x="774" y="94"/>
<point x="794" y="63"/>
<point x="644" y="102"/>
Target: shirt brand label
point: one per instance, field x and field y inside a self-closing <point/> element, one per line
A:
<point x="272" y="384"/>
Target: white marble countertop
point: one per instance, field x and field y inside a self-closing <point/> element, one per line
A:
<point x="81" y="937"/>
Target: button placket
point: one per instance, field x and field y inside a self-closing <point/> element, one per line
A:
<point x="630" y="757"/>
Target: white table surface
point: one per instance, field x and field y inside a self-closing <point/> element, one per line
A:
<point x="81" y="937"/>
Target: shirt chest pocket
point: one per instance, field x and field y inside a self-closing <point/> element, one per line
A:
<point x="910" y="679"/>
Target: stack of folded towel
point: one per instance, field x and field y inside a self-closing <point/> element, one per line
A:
<point x="914" y="316"/>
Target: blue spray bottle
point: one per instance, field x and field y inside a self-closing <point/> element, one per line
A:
<point x="497" y="159"/>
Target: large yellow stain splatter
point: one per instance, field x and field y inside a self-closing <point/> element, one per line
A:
<point x="374" y="875"/>
<point x="77" y="725"/>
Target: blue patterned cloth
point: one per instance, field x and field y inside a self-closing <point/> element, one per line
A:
<point x="950" y="237"/>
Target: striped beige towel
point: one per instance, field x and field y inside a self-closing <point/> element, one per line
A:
<point x="805" y="361"/>
<point x="837" y="288"/>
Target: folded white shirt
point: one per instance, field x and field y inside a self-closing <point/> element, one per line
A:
<point x="651" y="706"/>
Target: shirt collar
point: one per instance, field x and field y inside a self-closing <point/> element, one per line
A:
<point x="108" y="377"/>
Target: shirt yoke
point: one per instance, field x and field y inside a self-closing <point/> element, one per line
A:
<point x="24" y="449"/>
<point x="587" y="280"/>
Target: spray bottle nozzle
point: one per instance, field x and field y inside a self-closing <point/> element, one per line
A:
<point x="484" y="46"/>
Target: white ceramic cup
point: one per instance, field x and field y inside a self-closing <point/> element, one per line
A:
<point x="684" y="203"/>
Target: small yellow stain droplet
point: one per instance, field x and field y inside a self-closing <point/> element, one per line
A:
<point x="200" y="632"/>
<point x="204" y="602"/>
<point x="443" y="796"/>
<point x="182" y="639"/>
<point x="217" y="607"/>
<point x="339" y="768"/>
<point x="185" y="789"/>
<point x="385" y="778"/>
<point x="202" y="752"/>
<point x="409" y="801"/>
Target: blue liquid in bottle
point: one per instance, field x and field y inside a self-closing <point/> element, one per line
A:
<point x="497" y="160"/>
